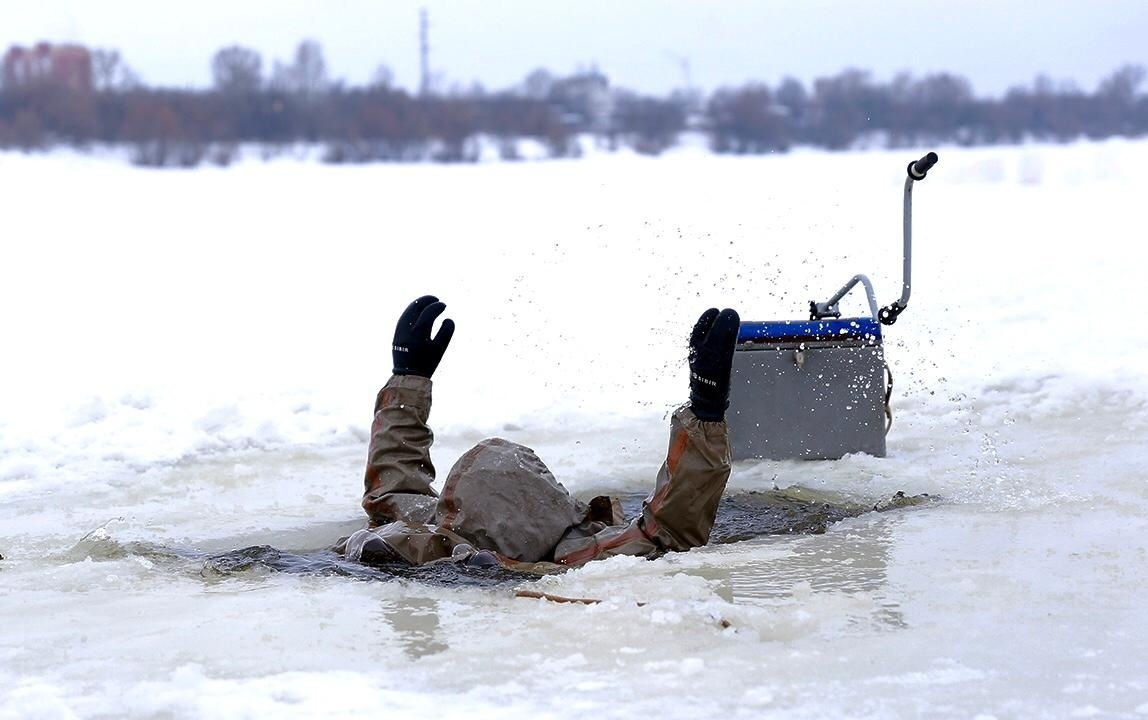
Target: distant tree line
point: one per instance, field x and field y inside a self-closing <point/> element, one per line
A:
<point x="839" y="111"/>
<point x="297" y="102"/>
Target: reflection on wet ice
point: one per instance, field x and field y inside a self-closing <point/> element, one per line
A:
<point x="839" y="565"/>
<point x="416" y="624"/>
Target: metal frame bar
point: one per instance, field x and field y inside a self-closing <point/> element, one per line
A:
<point x="829" y="307"/>
<point x="886" y="315"/>
<point x="907" y="247"/>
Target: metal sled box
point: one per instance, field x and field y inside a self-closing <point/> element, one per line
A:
<point x="807" y="390"/>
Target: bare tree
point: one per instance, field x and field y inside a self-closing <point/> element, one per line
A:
<point x="110" y="73"/>
<point x="747" y="120"/>
<point x="649" y="125"/>
<point x="160" y="137"/>
<point x="1122" y="85"/>
<point x="382" y="79"/>
<point x="1119" y="104"/>
<point x="793" y="101"/>
<point x="306" y="75"/>
<point x="539" y="84"/>
<point x="845" y="106"/>
<point x="237" y="70"/>
<point x="26" y="132"/>
<point x="311" y="68"/>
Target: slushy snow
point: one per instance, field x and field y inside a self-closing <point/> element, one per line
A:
<point x="190" y="360"/>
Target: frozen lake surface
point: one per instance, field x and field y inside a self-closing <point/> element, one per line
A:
<point x="190" y="360"/>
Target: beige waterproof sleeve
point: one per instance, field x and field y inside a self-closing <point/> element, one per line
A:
<point x="679" y="513"/>
<point x="397" y="484"/>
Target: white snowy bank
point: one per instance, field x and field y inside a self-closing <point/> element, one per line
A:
<point x="191" y="358"/>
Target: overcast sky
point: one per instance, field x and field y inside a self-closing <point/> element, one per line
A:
<point x="649" y="45"/>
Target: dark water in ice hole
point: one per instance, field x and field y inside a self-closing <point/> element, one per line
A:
<point x="740" y="517"/>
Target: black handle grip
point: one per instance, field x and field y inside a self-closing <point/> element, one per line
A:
<point x="888" y="314"/>
<point x="919" y="168"/>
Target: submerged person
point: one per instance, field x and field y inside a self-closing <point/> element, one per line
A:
<point x="500" y="503"/>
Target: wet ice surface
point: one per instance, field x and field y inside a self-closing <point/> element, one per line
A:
<point x="176" y="394"/>
<point x="740" y="517"/>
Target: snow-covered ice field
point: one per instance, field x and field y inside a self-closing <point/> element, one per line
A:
<point x="189" y="359"/>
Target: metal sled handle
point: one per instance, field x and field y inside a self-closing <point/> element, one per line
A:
<point x="917" y="170"/>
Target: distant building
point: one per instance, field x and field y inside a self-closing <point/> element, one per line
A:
<point x="67" y="66"/>
<point x="584" y="100"/>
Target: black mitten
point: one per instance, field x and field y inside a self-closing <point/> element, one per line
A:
<point x="414" y="351"/>
<point x="711" y="360"/>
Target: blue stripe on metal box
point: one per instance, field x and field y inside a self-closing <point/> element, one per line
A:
<point x="800" y="330"/>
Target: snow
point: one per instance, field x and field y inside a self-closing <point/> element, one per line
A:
<point x="190" y="358"/>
